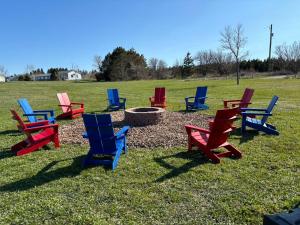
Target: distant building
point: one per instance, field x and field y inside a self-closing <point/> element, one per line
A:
<point x="62" y="75"/>
<point x="41" y="77"/>
<point x="69" y="75"/>
<point x="2" y="78"/>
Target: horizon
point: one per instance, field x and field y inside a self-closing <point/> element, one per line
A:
<point x="70" y="33"/>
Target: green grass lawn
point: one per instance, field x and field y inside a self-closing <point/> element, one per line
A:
<point x="152" y="186"/>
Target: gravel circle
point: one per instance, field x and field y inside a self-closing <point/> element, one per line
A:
<point x="167" y="134"/>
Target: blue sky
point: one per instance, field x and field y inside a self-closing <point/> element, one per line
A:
<point x="62" y="33"/>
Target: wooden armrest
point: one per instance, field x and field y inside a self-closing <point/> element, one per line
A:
<point x="41" y="127"/>
<point x="202" y="130"/>
<point x="35" y="124"/>
<point x="66" y="106"/>
<point x="121" y="133"/>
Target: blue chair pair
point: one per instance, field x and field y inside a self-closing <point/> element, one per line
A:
<point x="36" y="115"/>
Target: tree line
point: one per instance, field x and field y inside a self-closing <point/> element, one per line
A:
<point x="229" y="58"/>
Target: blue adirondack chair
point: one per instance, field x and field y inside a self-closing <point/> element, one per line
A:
<point x="114" y="101"/>
<point x="104" y="143"/>
<point x="199" y="100"/>
<point x="32" y="115"/>
<point x="250" y="120"/>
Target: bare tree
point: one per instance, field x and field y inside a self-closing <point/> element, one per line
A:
<point x="223" y="62"/>
<point x="98" y="62"/>
<point x="177" y="68"/>
<point x="233" y="40"/>
<point x="204" y="59"/>
<point x="153" y="63"/>
<point x="161" y="65"/>
<point x="75" y="67"/>
<point x="29" y="68"/>
<point x="289" y="56"/>
<point x="3" y="71"/>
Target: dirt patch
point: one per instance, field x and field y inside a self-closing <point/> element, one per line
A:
<point x="167" y="134"/>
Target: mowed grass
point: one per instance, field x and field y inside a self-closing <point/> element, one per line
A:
<point x="161" y="186"/>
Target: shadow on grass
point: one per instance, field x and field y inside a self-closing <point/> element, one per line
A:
<point x="7" y="153"/>
<point x="11" y="132"/>
<point x="45" y="176"/>
<point x="196" y="158"/>
<point x="247" y="136"/>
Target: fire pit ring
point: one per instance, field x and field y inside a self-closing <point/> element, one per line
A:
<point x="143" y="116"/>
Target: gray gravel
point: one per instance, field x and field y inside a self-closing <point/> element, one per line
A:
<point x="169" y="133"/>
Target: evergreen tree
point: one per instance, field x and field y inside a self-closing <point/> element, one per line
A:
<point x="123" y="64"/>
<point x="188" y="65"/>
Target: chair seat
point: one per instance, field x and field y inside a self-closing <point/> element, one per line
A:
<point x="253" y="121"/>
<point x="200" y="137"/>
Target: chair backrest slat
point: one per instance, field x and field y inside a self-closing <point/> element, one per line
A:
<point x="159" y="95"/>
<point x="246" y="98"/>
<point x="200" y="93"/>
<point x="270" y="108"/>
<point x="220" y="128"/>
<point x="24" y="104"/>
<point x="100" y="133"/>
<point x="63" y="99"/>
<point x="16" y="117"/>
<point x="113" y="96"/>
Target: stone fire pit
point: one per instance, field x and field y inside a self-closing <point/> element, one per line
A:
<point x="144" y="116"/>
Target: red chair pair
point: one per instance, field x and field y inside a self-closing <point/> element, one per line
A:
<point x="38" y="135"/>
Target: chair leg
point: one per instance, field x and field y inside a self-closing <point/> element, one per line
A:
<point x="116" y="159"/>
<point x="190" y="145"/>
<point x="33" y="147"/>
<point x="243" y="124"/>
<point x="56" y="141"/>
<point x="125" y="145"/>
<point x="213" y="157"/>
<point x="88" y="159"/>
<point x="234" y="151"/>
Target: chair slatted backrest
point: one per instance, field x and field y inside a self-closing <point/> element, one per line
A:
<point x="248" y="93"/>
<point x="270" y="108"/>
<point x="159" y="95"/>
<point x="16" y="117"/>
<point x="100" y="133"/>
<point x="113" y="96"/>
<point x="221" y="127"/>
<point x="22" y="126"/>
<point x="200" y="93"/>
<point x="63" y="99"/>
<point x="24" y="104"/>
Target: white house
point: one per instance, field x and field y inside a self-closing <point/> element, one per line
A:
<point x="69" y="75"/>
<point x="41" y="77"/>
<point x="2" y="78"/>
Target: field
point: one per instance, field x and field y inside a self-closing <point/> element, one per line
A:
<point x="152" y="186"/>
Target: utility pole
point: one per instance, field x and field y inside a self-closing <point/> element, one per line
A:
<point x="270" y="47"/>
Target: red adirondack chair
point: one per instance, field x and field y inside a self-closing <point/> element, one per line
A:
<point x="67" y="107"/>
<point x="209" y="140"/>
<point x="240" y="103"/>
<point x="159" y="98"/>
<point x="38" y="135"/>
